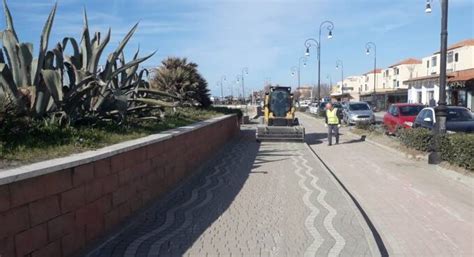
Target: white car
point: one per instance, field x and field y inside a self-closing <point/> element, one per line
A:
<point x="313" y="108"/>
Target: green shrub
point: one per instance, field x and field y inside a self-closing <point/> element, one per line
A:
<point x="369" y="127"/>
<point x="226" y="110"/>
<point x="459" y="149"/>
<point x="419" y="139"/>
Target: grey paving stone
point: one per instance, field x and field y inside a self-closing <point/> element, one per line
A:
<point x="269" y="199"/>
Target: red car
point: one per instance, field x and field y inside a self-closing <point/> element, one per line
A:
<point x="401" y="116"/>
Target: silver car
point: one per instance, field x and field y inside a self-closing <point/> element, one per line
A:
<point x="358" y="112"/>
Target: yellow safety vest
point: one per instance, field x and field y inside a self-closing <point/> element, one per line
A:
<point x="332" y="116"/>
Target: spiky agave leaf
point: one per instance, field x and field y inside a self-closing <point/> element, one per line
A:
<point x="97" y="50"/>
<point x="157" y="93"/>
<point x="9" y="19"/>
<point x="154" y="102"/>
<point x="111" y="61"/>
<point x="44" y="43"/>
<point x="52" y="80"/>
<point x="7" y="83"/>
<point x="86" y="48"/>
<point x="130" y="65"/>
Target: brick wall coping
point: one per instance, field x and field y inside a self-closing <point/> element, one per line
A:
<point x="8" y="176"/>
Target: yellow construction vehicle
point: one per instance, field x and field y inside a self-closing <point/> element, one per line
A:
<point x="279" y="121"/>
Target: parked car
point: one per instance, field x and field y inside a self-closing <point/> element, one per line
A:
<point x="357" y="112"/>
<point x="313" y="108"/>
<point x="401" y="116"/>
<point x="459" y="119"/>
<point x="322" y="107"/>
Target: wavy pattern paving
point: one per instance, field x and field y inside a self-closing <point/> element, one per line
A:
<point x="328" y="220"/>
<point x="310" y="220"/>
<point x="269" y="199"/>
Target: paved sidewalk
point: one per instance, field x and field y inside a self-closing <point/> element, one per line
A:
<point x="269" y="199"/>
<point x="418" y="210"/>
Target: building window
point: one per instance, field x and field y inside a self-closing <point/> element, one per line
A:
<point x="430" y="95"/>
<point x="419" y="97"/>
<point x="434" y="61"/>
<point x="427" y="64"/>
<point x="366" y="87"/>
<point x="397" y="71"/>
<point x="450" y="57"/>
<point x="456" y="57"/>
<point x="398" y="84"/>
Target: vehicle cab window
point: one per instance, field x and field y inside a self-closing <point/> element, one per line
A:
<point x="421" y="116"/>
<point x="395" y="111"/>
<point x="428" y="114"/>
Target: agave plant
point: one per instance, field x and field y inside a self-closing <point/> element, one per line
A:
<point x="73" y="86"/>
<point x="20" y="74"/>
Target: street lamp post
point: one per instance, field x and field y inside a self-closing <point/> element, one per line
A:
<point x="223" y="78"/>
<point x="369" y="46"/>
<point x="340" y="64"/>
<point x="329" y="26"/>
<point x="441" y="109"/>
<point x="330" y="79"/>
<point x="294" y="71"/>
<point x="304" y="59"/>
<point x="245" y="71"/>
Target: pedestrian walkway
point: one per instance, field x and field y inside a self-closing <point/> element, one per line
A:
<point x="418" y="210"/>
<point x="269" y="199"/>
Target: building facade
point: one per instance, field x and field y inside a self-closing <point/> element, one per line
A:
<point x="349" y="89"/>
<point x="460" y="77"/>
<point x="416" y="81"/>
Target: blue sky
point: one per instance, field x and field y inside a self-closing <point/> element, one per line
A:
<point x="267" y="36"/>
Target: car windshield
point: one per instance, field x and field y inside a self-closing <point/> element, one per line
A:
<point x="459" y="114"/>
<point x="359" y="107"/>
<point x="410" y="110"/>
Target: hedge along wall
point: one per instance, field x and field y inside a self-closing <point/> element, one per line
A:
<point x="55" y="208"/>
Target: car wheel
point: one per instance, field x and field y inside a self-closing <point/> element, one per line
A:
<point x="398" y="131"/>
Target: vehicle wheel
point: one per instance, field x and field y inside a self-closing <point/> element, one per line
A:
<point x="296" y="122"/>
<point x="398" y="131"/>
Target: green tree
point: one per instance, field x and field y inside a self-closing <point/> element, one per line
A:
<point x="179" y="77"/>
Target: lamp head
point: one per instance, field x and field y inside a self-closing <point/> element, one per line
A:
<point x="307" y="51"/>
<point x="367" y="52"/>
<point x="304" y="64"/>
<point x="330" y="34"/>
<point x="428" y="7"/>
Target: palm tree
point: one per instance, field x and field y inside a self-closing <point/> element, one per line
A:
<point x="179" y="77"/>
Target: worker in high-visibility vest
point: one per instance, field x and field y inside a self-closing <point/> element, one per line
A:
<point x="333" y="122"/>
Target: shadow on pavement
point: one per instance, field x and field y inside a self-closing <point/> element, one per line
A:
<point x="315" y="138"/>
<point x="362" y="139"/>
<point x="171" y="225"/>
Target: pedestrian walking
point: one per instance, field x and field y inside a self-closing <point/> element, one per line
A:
<point x="333" y="119"/>
<point x="432" y="102"/>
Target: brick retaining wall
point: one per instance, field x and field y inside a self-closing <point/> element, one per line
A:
<point x="56" y="208"/>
